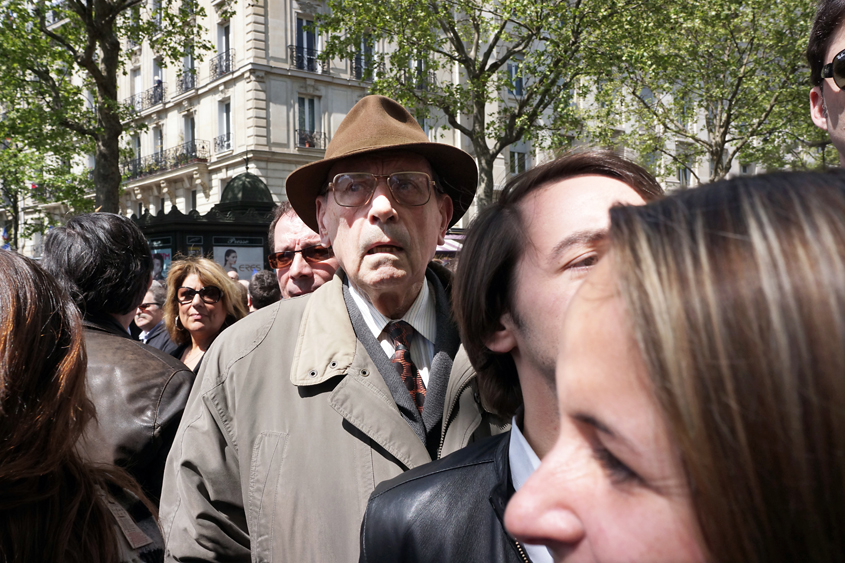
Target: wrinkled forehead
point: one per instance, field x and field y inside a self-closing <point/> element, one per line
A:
<point x="381" y="163"/>
<point x="289" y="230"/>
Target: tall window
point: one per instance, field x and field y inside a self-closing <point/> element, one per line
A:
<point x="193" y="199"/>
<point x="224" y="127"/>
<point x="306" y="46"/>
<point x="362" y="64"/>
<point x="307" y="135"/>
<point x="518" y="162"/>
<point x="515" y="75"/>
<point x="136" y="145"/>
<point x="189" y="128"/>
<point x="223" y="38"/>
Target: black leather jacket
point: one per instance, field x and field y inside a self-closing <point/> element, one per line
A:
<point x="452" y="509"/>
<point x="139" y="393"/>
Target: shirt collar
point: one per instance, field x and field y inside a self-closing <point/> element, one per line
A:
<point x="523" y="460"/>
<point x="421" y="315"/>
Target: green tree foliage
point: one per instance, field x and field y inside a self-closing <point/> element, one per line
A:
<point x="493" y="69"/>
<point x="710" y="81"/>
<point x="59" y="66"/>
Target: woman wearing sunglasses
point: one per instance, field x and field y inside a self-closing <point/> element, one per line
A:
<point x="701" y="384"/>
<point x="201" y="302"/>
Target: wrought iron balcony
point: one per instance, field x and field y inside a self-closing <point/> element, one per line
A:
<point x="306" y="59"/>
<point x="223" y="143"/>
<point x="170" y="159"/>
<point x="188" y="81"/>
<point x="222" y="64"/>
<point x="147" y="98"/>
<point x="310" y="139"/>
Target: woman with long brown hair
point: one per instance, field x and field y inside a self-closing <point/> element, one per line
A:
<point x="701" y="384"/>
<point x="53" y="506"/>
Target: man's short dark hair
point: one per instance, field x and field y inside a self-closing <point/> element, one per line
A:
<point x="264" y="289"/>
<point x="102" y="260"/>
<point x="281" y="210"/>
<point x="485" y="280"/>
<point x="829" y="15"/>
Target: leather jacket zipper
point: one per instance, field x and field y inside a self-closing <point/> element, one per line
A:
<point x="448" y="418"/>
<point x="522" y="552"/>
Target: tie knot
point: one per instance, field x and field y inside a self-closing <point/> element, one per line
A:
<point x="400" y="332"/>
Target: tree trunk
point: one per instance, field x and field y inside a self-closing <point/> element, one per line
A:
<point x="107" y="157"/>
<point x="485" y="180"/>
<point x="107" y="167"/>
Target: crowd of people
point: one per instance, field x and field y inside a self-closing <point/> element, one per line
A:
<point x="610" y="374"/>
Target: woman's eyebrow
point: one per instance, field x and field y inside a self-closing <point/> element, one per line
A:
<point x="602" y="427"/>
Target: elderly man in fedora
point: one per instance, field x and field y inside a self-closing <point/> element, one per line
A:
<point x="302" y="408"/>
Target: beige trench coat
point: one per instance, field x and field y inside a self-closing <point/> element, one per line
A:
<point x="287" y="432"/>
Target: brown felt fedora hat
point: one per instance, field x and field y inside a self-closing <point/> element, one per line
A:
<point x="378" y="124"/>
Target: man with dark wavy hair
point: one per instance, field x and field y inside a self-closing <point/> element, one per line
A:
<point x="826" y="56"/>
<point x="524" y="257"/>
<point x="104" y="262"/>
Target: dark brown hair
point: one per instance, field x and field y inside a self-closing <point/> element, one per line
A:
<point x="735" y="294"/>
<point x="51" y="502"/>
<point x="829" y="15"/>
<point x="484" y="281"/>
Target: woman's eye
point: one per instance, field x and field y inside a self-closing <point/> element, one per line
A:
<point x="619" y="472"/>
<point x="584" y="263"/>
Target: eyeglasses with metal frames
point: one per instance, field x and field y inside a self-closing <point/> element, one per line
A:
<point x="208" y="295"/>
<point x="354" y="189"/>
<point x="311" y="254"/>
<point x="145" y="306"/>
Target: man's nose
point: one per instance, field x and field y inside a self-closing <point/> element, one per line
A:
<point x="382" y="205"/>
<point x="300" y="266"/>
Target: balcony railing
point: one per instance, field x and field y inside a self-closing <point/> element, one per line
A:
<point x="310" y="139"/>
<point x="170" y="159"/>
<point x="147" y="98"/>
<point x="223" y="143"/>
<point x="222" y="64"/>
<point x="306" y="59"/>
<point x="188" y="81"/>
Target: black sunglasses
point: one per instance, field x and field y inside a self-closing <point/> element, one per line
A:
<point x="312" y="254"/>
<point x="210" y="294"/>
<point x="836" y="69"/>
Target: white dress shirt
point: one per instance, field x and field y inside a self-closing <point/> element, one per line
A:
<point x="523" y="463"/>
<point x="422" y="316"/>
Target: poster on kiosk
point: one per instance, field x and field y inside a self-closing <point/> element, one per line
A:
<point x="244" y="255"/>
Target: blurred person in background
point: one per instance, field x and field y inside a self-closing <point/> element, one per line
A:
<point x="201" y="302"/>
<point x="700" y="384"/>
<point x="104" y="263"/>
<point x="54" y="505"/>
<point x="150" y="319"/>
<point x="263" y="290"/>
<point x="301" y="262"/>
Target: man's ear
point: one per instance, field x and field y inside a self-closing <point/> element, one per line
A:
<point x="504" y="339"/>
<point x="818" y="109"/>
<point x="446" y="208"/>
<point x="321" y="221"/>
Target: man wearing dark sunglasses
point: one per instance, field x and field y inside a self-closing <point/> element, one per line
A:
<point x="826" y="56"/>
<point x="302" y="264"/>
<point x="306" y="405"/>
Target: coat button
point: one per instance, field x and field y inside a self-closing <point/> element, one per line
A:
<point x="333" y="365"/>
<point x="365" y="372"/>
<point x="312" y="373"/>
